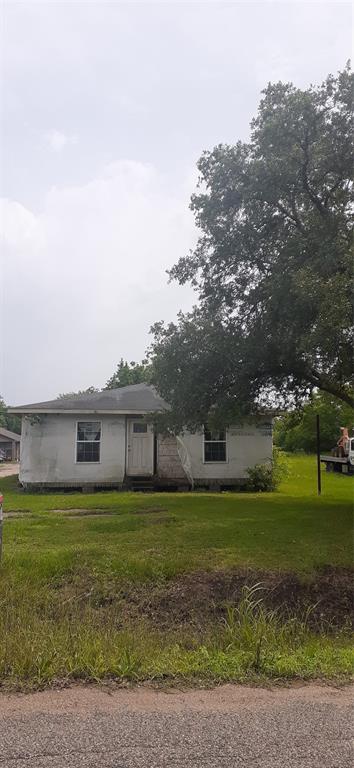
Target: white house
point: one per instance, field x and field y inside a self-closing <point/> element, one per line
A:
<point x="105" y="440"/>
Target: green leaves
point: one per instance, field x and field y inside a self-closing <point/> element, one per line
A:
<point x="13" y="423"/>
<point x="129" y="373"/>
<point x="296" y="430"/>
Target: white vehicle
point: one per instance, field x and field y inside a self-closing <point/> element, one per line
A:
<point x="341" y="458"/>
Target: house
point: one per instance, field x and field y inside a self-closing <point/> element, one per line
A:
<point x="105" y="439"/>
<point x="10" y="444"/>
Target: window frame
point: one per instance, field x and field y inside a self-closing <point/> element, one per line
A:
<point x="88" y="421"/>
<point x="215" y="461"/>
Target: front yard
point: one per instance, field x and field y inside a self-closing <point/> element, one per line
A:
<point x="162" y="586"/>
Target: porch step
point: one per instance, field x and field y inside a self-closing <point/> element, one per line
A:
<point x="143" y="484"/>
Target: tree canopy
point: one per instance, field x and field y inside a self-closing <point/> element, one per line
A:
<point x="130" y="373"/>
<point x="125" y="374"/>
<point x="13" y="423"/>
<point x="296" y="430"/>
<point x="272" y="265"/>
<point x="88" y="391"/>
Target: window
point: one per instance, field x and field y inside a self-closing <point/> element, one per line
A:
<point x="139" y="428"/>
<point x="88" y="441"/>
<point x="214" y="445"/>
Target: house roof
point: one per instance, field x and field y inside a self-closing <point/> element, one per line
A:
<point x="9" y="435"/>
<point x="137" y="398"/>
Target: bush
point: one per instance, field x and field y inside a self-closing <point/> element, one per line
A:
<point x="266" y="477"/>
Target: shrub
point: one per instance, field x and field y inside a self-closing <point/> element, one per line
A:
<point x="267" y="476"/>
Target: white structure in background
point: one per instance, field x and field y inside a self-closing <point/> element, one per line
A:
<point x="9" y="445"/>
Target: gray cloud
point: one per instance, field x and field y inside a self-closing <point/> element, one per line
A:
<point x="87" y="275"/>
<point x="106" y="108"/>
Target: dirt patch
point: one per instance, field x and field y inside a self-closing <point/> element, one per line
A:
<point x="81" y="512"/>
<point x="84" y="512"/>
<point x="11" y="514"/>
<point x="149" y="510"/>
<point x="71" y="514"/>
<point x="91" y="514"/>
<point x="201" y="598"/>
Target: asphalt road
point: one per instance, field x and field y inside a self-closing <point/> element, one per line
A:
<point x="302" y="727"/>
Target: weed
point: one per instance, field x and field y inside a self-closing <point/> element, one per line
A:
<point x="251" y="625"/>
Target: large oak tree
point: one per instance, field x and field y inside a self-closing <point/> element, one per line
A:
<point x="272" y="266"/>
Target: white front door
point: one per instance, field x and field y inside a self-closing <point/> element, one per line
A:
<point x="140" y="448"/>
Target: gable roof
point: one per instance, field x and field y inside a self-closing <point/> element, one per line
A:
<point x="9" y="435"/>
<point x="136" y="398"/>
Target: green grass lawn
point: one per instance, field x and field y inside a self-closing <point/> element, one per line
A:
<point x="55" y="564"/>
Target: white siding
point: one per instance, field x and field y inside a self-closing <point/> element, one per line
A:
<point x="48" y="450"/>
<point x="245" y="447"/>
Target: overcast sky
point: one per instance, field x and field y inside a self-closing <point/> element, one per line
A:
<point x="105" y="109"/>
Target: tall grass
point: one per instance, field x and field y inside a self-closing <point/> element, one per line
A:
<point x="65" y="640"/>
<point x="261" y="630"/>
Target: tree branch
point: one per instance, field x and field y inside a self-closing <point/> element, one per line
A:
<point x="293" y="216"/>
<point x="306" y="184"/>
<point x="331" y="190"/>
<point x="323" y="382"/>
<point x="296" y="216"/>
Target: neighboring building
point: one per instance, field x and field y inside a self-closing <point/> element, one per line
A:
<point x="10" y="444"/>
<point x="105" y="439"/>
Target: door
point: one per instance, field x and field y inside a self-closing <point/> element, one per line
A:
<point x="140" y="448"/>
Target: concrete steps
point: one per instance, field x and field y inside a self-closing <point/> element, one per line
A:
<point x="142" y="484"/>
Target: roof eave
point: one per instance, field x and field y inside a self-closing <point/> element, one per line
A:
<point x="98" y="411"/>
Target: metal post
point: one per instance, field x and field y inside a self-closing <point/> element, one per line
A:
<point x="318" y="455"/>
